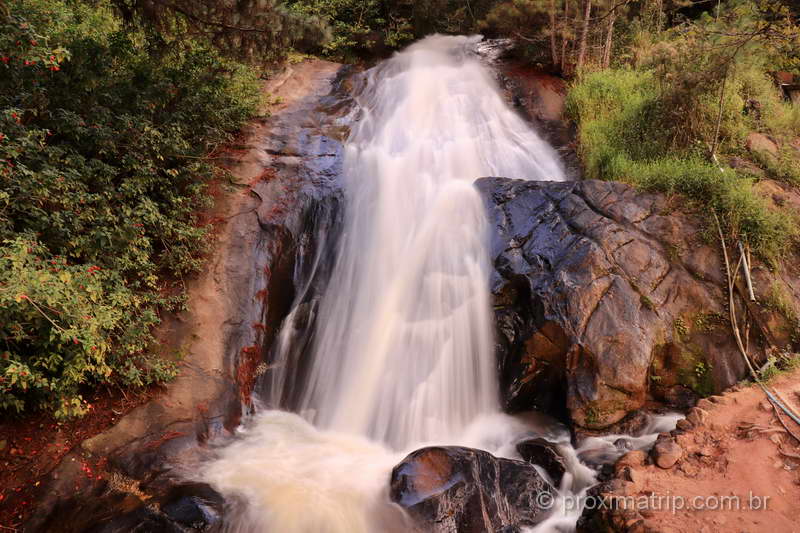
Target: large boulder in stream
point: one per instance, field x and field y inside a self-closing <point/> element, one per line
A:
<point x="453" y="489"/>
<point x="604" y="294"/>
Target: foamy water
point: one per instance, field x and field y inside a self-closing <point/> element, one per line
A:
<point x="403" y="353"/>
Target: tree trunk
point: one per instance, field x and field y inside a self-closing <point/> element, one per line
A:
<point x="584" y="35"/>
<point x="609" y="39"/>
<point x="564" y="34"/>
<point x="553" y="49"/>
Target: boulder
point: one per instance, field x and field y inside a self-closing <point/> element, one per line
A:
<point x="543" y="453"/>
<point x="758" y="143"/>
<point x="453" y="489"/>
<point x="195" y="506"/>
<point x="602" y="292"/>
<point x="666" y="453"/>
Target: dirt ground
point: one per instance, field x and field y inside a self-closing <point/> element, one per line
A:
<point x="739" y="470"/>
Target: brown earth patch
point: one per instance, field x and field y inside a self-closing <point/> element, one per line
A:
<point x="739" y="470"/>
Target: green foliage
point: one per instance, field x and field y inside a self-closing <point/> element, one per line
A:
<point x="647" y="302"/>
<point x="260" y="31"/>
<point x="706" y="322"/>
<point x="620" y="115"/>
<point x="696" y="373"/>
<point x="526" y="18"/>
<point x="680" y="328"/>
<point x="352" y="24"/>
<point x="779" y="365"/>
<point x="65" y="325"/>
<point x="103" y="137"/>
<point x="374" y="27"/>
<point x="784" y="166"/>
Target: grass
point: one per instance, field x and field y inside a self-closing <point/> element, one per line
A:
<point x="784" y="166"/>
<point x="622" y="136"/>
<point x="779" y="365"/>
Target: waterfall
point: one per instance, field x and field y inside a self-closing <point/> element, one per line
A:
<point x="403" y="349"/>
<point x="402" y="352"/>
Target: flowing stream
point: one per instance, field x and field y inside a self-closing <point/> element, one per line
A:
<point x="402" y="353"/>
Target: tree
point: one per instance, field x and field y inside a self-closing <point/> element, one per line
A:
<point x="249" y="29"/>
<point x="587" y="12"/>
<point x="553" y="31"/>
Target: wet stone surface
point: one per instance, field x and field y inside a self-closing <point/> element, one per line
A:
<point x="454" y="489"/>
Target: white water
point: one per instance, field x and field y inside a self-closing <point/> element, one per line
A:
<point x="403" y="352"/>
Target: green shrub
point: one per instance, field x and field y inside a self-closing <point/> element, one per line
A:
<point x="103" y="138"/>
<point x="354" y="26"/>
<point x="65" y="325"/>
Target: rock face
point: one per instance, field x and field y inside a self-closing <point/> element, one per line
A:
<point x="453" y="489"/>
<point x="603" y="293"/>
<point x="761" y="144"/>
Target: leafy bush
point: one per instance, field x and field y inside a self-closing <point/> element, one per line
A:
<point x="103" y="137"/>
<point x="67" y="325"/>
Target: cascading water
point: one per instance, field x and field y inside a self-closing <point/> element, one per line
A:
<point x="403" y="350"/>
<point x="402" y="353"/>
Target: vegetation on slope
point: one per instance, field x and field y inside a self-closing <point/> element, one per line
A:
<point x="103" y="132"/>
<point x="679" y="102"/>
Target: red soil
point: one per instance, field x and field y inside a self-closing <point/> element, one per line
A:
<point x="32" y="445"/>
<point x="741" y="459"/>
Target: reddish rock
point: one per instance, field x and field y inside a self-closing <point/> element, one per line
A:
<point x="666" y="453"/>
<point x="760" y="143"/>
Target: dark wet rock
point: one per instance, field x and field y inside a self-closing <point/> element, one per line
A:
<point x="592" y="519"/>
<point x="602" y="294"/>
<point x="195" y="506"/>
<point x="543" y="453"/>
<point x="454" y="489"/>
<point x="142" y="520"/>
<point x="679" y="396"/>
<point x="192" y="507"/>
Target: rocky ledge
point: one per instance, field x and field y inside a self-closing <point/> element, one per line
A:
<point x="606" y="296"/>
